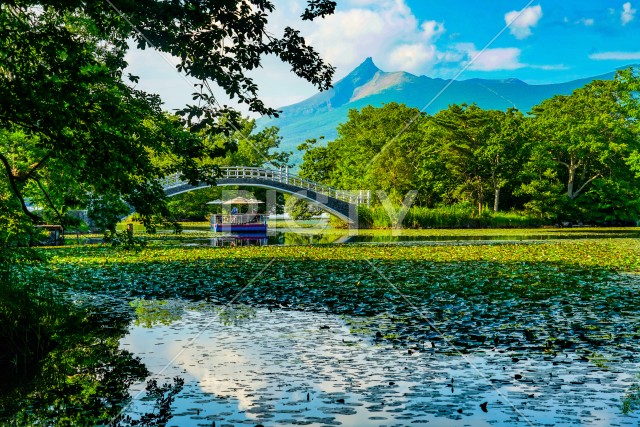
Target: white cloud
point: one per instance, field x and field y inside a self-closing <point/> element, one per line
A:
<point x="362" y="2"/>
<point x="157" y="72"/>
<point x="386" y="30"/>
<point x="520" y="23"/>
<point x="615" y="56"/>
<point x="628" y="13"/>
<point x="587" y="22"/>
<point x="345" y="37"/>
<point x="431" y="30"/>
<point x="451" y="56"/>
<point x="491" y="59"/>
<point x="552" y="67"/>
<point x="411" y="57"/>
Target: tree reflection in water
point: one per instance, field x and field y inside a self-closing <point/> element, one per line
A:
<point x="235" y="315"/>
<point x="84" y="380"/>
<point x="631" y="401"/>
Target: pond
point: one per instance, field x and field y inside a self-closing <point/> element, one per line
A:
<point x="199" y="236"/>
<point x="274" y="367"/>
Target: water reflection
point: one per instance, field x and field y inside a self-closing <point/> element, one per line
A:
<point x="319" y="237"/>
<point x="84" y="380"/>
<point x="153" y="312"/>
<point x="475" y="237"/>
<point x="235" y="315"/>
<point x="239" y="240"/>
<point x="272" y="238"/>
<point x="290" y="368"/>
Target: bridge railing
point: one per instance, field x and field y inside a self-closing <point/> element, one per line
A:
<point x="281" y="176"/>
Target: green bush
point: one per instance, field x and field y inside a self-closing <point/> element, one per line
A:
<point x="300" y="209"/>
<point x="106" y="211"/>
<point x="125" y="240"/>
<point x="365" y="217"/>
<point x="192" y="206"/>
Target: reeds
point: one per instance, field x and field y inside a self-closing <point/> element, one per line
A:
<point x="455" y="216"/>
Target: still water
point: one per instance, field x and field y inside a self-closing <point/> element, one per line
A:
<point x="305" y="237"/>
<point x="246" y="366"/>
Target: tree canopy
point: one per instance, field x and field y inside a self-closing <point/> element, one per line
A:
<point x="586" y="139"/>
<point x="375" y="150"/>
<point x="572" y="157"/>
<point x="69" y="114"/>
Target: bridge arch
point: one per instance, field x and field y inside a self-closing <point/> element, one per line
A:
<point x="340" y="203"/>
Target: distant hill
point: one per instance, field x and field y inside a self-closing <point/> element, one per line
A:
<point x="320" y="114"/>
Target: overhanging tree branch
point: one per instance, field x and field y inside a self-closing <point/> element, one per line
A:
<point x="51" y="205"/>
<point x="577" y="193"/>
<point x="16" y="190"/>
<point x="64" y="85"/>
<point x="34" y="169"/>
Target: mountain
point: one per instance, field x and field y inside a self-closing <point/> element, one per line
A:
<point x="320" y="114"/>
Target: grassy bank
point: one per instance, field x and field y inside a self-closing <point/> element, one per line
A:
<point x="463" y="216"/>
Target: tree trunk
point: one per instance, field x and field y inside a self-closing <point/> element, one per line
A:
<point x="570" y="183"/>
<point x="573" y="166"/>
<point x="480" y="201"/>
<point x="496" y="187"/>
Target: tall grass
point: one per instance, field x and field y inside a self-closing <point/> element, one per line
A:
<point x="455" y="216"/>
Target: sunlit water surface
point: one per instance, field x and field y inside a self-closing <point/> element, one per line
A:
<point x="276" y="368"/>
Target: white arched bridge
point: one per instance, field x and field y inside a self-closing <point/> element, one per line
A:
<point x="340" y="203"/>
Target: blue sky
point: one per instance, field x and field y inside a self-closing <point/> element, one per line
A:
<point x="538" y="42"/>
<point x="555" y="41"/>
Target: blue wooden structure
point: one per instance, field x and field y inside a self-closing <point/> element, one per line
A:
<point x="239" y="223"/>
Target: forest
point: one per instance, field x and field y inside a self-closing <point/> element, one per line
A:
<point x="571" y="159"/>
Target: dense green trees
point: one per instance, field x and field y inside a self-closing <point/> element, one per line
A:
<point x="82" y="126"/>
<point x="584" y="143"/>
<point x="374" y="150"/>
<point x="68" y="116"/>
<point x="572" y="158"/>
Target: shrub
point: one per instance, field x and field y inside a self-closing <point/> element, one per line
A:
<point x="454" y="216"/>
